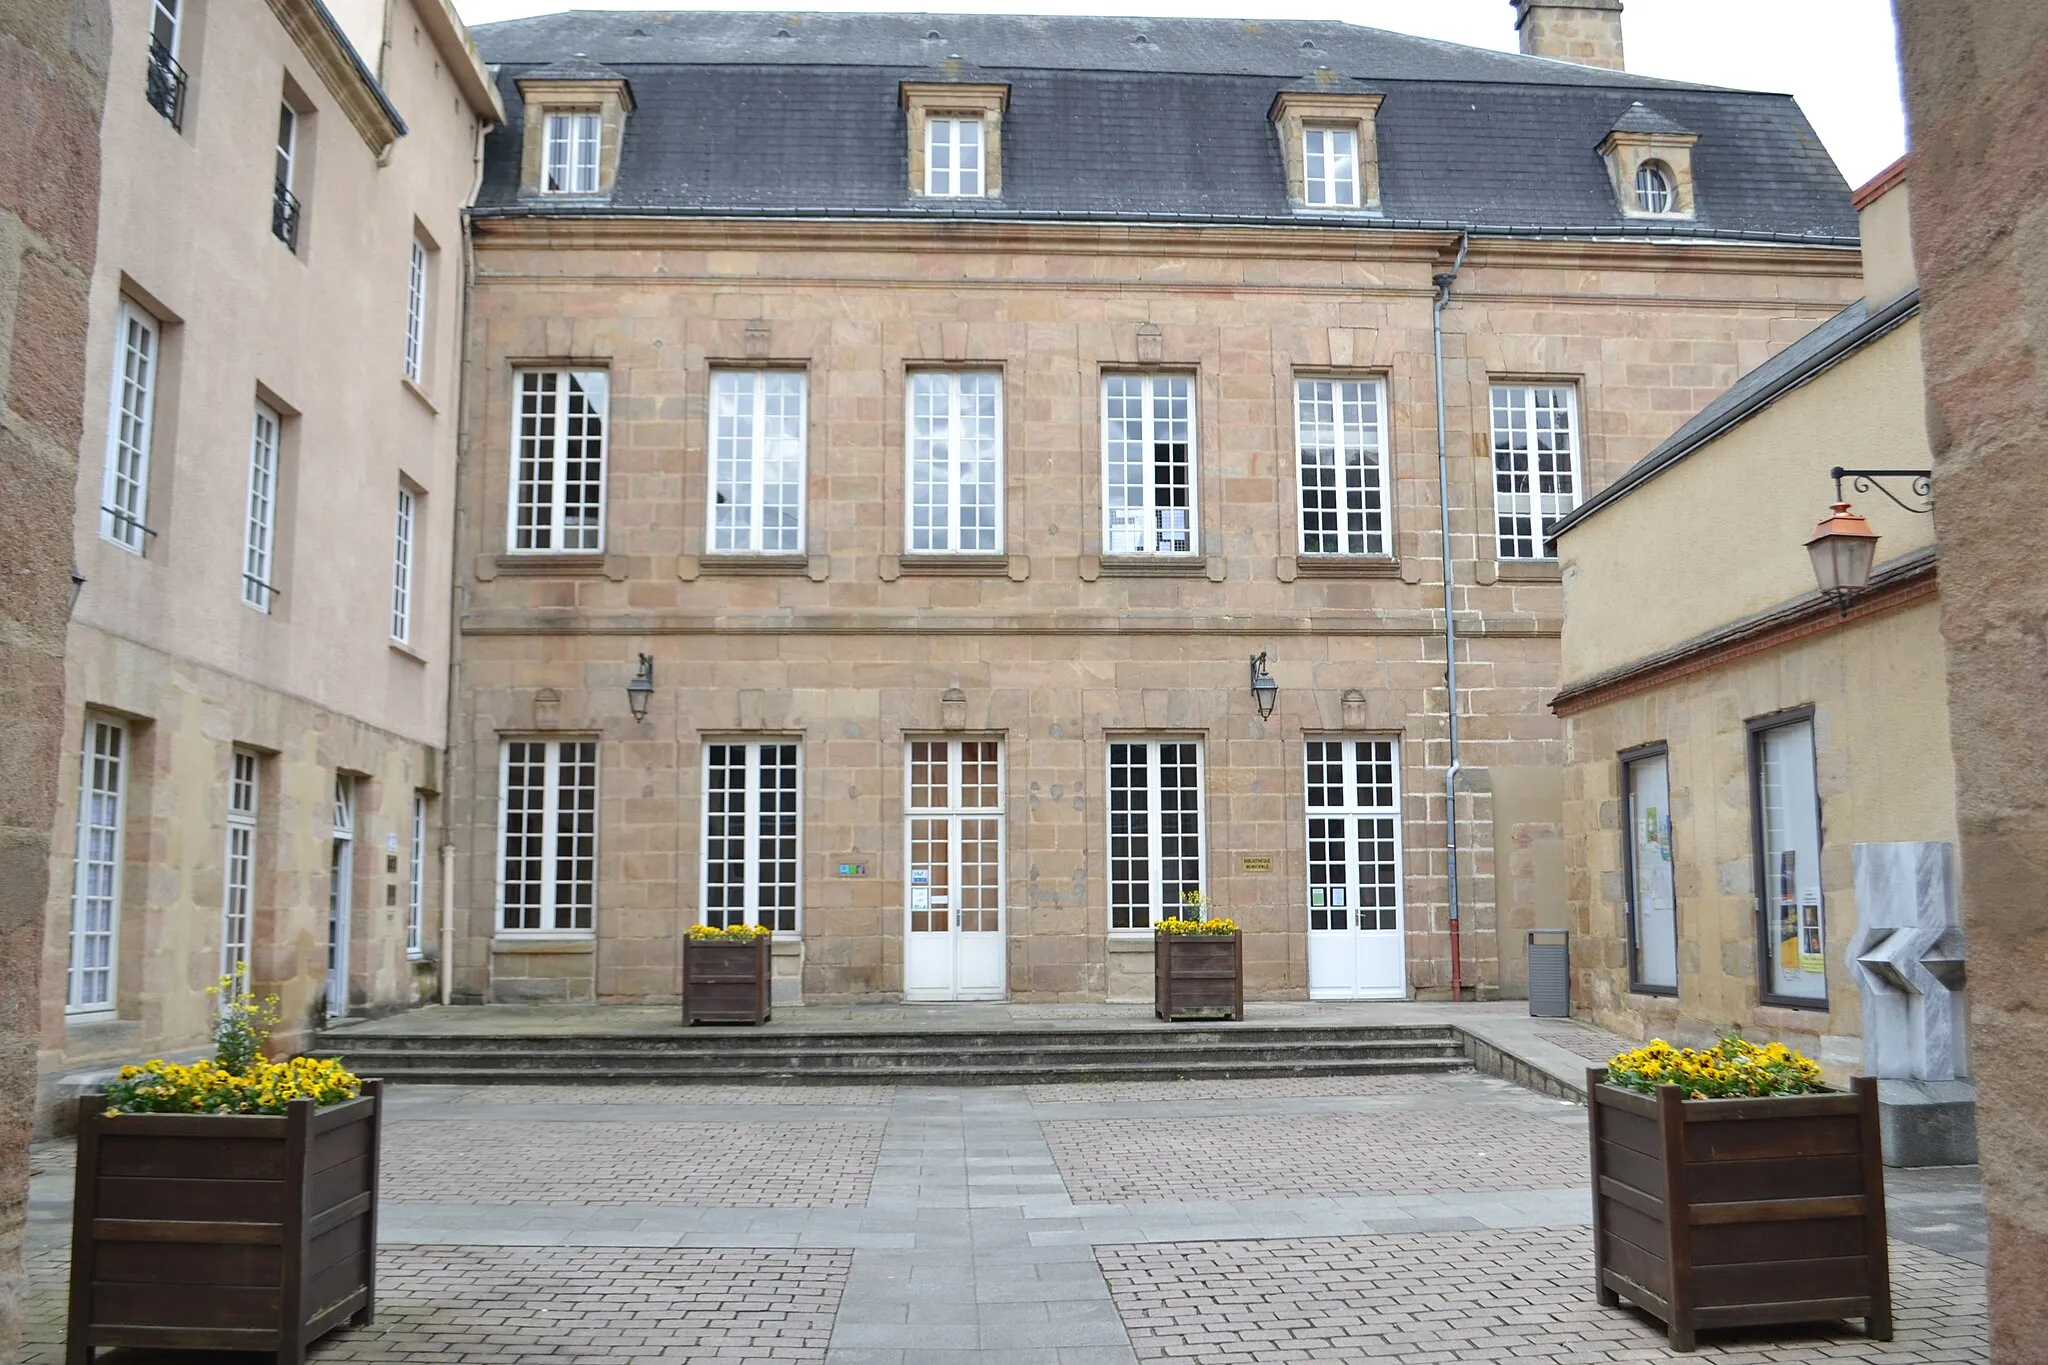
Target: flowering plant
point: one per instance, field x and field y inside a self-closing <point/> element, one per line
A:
<point x="243" y="1023"/>
<point x="1195" y="926"/>
<point x="731" y="933"/>
<point x="1733" y="1067"/>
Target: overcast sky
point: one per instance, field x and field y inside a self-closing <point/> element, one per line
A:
<point x="1839" y="57"/>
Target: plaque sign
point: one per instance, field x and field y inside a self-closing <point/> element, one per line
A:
<point x="1260" y="863"/>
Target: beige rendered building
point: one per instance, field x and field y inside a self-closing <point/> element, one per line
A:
<point x="945" y="452"/>
<point x="256" y="672"/>
<point x="1729" y="733"/>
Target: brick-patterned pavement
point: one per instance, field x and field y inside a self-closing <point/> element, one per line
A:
<point x="684" y="1096"/>
<point x="1523" y="1296"/>
<point x="1410" y="1149"/>
<point x="1271" y="1087"/>
<point x="594" y="1162"/>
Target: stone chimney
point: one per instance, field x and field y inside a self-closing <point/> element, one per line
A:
<point x="1584" y="31"/>
<point x="1887" y="236"/>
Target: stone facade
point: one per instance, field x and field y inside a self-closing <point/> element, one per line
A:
<point x="53" y="80"/>
<point x="308" y="681"/>
<point x="853" y="648"/>
<point x="1587" y="32"/>
<point x="1976" y="77"/>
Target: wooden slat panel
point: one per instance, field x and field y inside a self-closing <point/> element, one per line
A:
<point x="1640" y="1295"/>
<point x="337" y="1145"/>
<point x="1635" y="1264"/>
<point x="1770" y="1281"/>
<point x="1833" y="1135"/>
<point x="1778" y="1210"/>
<point x="1794" y="1310"/>
<point x="186" y="1230"/>
<point x="335" y="1284"/>
<point x="335" y="1314"/>
<point x="1647" y="1205"/>
<point x="1628" y="1224"/>
<point x="1746" y="1243"/>
<point x="346" y="1211"/>
<point x="1776" y="1107"/>
<point x="1629" y="1102"/>
<point x="339" y="1183"/>
<point x="1633" y="1131"/>
<point x="207" y="1127"/>
<point x="1632" y="1168"/>
<point x="178" y="1305"/>
<point x="218" y="1201"/>
<point x="151" y="1263"/>
<point x="1720" y="1182"/>
<point x="333" y="1246"/>
<point x="193" y="1157"/>
<point x="187" y="1338"/>
<point x="357" y="1110"/>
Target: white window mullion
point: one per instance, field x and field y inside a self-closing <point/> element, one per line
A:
<point x="1149" y="474"/>
<point x="237" y="906"/>
<point x="260" y="529"/>
<point x="401" y="569"/>
<point x="124" y="496"/>
<point x="755" y="502"/>
<point x="1339" y="466"/>
<point x="1535" y="465"/>
<point x="96" y="878"/>
<point x="416" y="313"/>
<point x="557" y="491"/>
<point x="416" y="880"/>
<point x="547" y="842"/>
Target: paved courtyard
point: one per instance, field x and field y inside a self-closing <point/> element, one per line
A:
<point x="1403" y="1219"/>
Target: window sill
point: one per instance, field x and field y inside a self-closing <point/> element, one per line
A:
<point x="959" y="566"/>
<point x="412" y="387"/>
<point x="753" y="566"/>
<point x="1347" y="566"/>
<point x="544" y="564"/>
<point x="1131" y="940"/>
<point x="1154" y="566"/>
<point x="1528" y="571"/>
<point x="406" y="651"/>
<point x="539" y="946"/>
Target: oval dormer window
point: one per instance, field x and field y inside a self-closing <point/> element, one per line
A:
<point x="1653" y="188"/>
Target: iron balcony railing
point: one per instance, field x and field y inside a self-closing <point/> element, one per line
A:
<point x="166" y="85"/>
<point x="284" y="217"/>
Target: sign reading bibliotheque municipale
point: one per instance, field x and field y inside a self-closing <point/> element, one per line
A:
<point x="1260" y="863"/>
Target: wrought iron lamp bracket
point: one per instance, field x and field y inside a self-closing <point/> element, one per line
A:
<point x="1920" y="485"/>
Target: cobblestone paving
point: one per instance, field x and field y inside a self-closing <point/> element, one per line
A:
<point x="1398" y="1150"/>
<point x="1278" y="1087"/>
<point x="719" y="1165"/>
<point x="1514" y="1296"/>
<point x="692" y="1096"/>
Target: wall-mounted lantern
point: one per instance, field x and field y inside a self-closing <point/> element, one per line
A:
<point x="1264" y="690"/>
<point x="1843" y="546"/>
<point x="640" y="690"/>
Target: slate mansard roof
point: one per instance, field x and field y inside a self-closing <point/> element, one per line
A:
<point x="1143" y="120"/>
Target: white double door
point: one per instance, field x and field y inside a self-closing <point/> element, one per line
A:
<point x="954" y="937"/>
<point x="1357" y="949"/>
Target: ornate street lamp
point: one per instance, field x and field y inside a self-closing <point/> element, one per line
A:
<point x="1264" y="690"/>
<point x="1843" y="548"/>
<point x="640" y="690"/>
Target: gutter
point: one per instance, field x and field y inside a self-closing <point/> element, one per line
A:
<point x="1443" y="283"/>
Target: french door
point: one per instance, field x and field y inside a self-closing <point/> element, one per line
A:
<point x="340" y="894"/>
<point x="953" y="939"/>
<point x="1356" y="948"/>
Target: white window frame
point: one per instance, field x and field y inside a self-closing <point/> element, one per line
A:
<point x="1329" y="165"/>
<point x="416" y="313"/>
<point x="561" y="439"/>
<point x="557" y="918"/>
<point x="416" y="881"/>
<point x="1528" y="500"/>
<point x="954" y="418"/>
<point x="1664" y="187"/>
<point x="744" y="455"/>
<point x="341" y="895"/>
<point x="401" y="566"/>
<point x="788" y="919"/>
<point x="287" y="145"/>
<point x="1134" y="520"/>
<point x="238" y="899"/>
<point x="93" y="979"/>
<point x="946" y="138"/>
<point x="259" y="527"/>
<point x="131" y="427"/>
<point x="1355" y="438"/>
<point x="571" y="142"/>
<point x="1787" y="810"/>
<point x="1350" y="810"/>
<point x="164" y="19"/>
<point x="1163" y="903"/>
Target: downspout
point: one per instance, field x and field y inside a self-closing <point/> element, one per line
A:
<point x="447" y="972"/>
<point x="1443" y="285"/>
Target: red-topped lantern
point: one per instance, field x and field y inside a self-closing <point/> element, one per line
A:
<point x="1843" y="548"/>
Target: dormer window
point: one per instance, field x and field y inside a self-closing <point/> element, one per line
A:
<point x="956" y="139"/>
<point x="569" y="157"/>
<point x="1649" y="160"/>
<point x="1329" y="148"/>
<point x="575" y="117"/>
<point x="1329" y="166"/>
<point x="952" y="158"/>
<point x="1653" y="188"/>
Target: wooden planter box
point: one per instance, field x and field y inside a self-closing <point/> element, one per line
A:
<point x="1735" y="1213"/>
<point x="224" y="1232"/>
<point x="726" y="983"/>
<point x="1198" y="976"/>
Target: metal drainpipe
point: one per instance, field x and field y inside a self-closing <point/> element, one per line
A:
<point x="1443" y="285"/>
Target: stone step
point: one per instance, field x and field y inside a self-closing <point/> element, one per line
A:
<point x="722" y="1039"/>
<point x="899" y="1073"/>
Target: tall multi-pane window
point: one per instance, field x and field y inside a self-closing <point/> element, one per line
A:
<point x="259" y="528"/>
<point x="1535" y="465"/>
<point x="1791" y="912"/>
<point x="569" y="154"/>
<point x="96" y="866"/>
<point x="1354" y="836"/>
<point x="241" y="863"/>
<point x="558" y="462"/>
<point x="165" y="84"/>
<point x="401" y="568"/>
<point x="952" y="158"/>
<point x="340" y="893"/>
<point x="124" y="496"/>
<point x="548" y="837"/>
<point x="956" y="462"/>
<point x="1155" y="830"/>
<point x="1148" y="459"/>
<point x="416" y="879"/>
<point x="416" y="313"/>
<point x="1647" y="861"/>
<point x="1329" y="163"/>
<point x="756" y="502"/>
<point x="284" y="211"/>
<point x="1340" y="443"/>
<point x="752" y="809"/>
